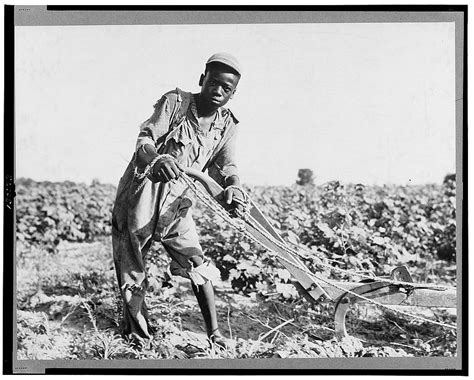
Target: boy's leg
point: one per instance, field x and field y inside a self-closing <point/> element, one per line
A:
<point x="205" y="297"/>
<point x="204" y="292"/>
<point x="134" y="219"/>
<point x="131" y="278"/>
<point x="182" y="244"/>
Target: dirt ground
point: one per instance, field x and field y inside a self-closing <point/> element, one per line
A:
<point x="68" y="308"/>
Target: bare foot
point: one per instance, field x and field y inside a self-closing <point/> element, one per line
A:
<point x="218" y="339"/>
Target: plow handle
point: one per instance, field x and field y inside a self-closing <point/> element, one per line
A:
<point x="211" y="186"/>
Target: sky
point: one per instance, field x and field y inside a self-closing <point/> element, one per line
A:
<point x="363" y="103"/>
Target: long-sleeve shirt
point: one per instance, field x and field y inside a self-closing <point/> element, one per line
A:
<point x="220" y="159"/>
<point x="174" y="129"/>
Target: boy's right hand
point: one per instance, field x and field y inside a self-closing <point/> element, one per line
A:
<point x="166" y="169"/>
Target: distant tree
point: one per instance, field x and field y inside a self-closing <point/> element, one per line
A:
<point x="449" y="177"/>
<point x="305" y="177"/>
<point x="27" y="182"/>
<point x="95" y="182"/>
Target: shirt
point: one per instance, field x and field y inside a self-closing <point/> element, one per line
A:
<point x="175" y="131"/>
<point x="220" y="160"/>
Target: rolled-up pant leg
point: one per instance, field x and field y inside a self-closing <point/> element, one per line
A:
<point x="181" y="240"/>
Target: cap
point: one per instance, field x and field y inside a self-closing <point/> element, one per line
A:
<point x="227" y="59"/>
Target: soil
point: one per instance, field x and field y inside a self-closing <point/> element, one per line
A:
<point x="68" y="308"/>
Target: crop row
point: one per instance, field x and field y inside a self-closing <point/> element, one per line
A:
<point x="365" y="228"/>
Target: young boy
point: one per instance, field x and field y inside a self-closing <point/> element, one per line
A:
<point x="185" y="130"/>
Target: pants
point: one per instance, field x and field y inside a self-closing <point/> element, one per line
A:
<point x="131" y="245"/>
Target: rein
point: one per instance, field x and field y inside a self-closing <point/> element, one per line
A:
<point x="245" y="217"/>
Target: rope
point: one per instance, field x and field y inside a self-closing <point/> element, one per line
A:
<point x="147" y="171"/>
<point x="386" y="306"/>
<point x="318" y="279"/>
<point x="345" y="271"/>
<point x="210" y="202"/>
<point x="240" y="225"/>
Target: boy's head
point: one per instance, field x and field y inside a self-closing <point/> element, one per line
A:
<point x="224" y="59"/>
<point x="220" y="79"/>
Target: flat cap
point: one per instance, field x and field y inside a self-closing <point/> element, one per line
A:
<point x="227" y="59"/>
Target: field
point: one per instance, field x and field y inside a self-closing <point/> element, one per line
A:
<point x="67" y="300"/>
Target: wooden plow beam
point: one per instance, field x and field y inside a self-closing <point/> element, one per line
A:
<point x="343" y="294"/>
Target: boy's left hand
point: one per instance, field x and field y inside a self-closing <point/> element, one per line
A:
<point x="234" y="196"/>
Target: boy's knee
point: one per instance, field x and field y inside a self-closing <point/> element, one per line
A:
<point x="182" y="268"/>
<point x="196" y="260"/>
<point x="199" y="271"/>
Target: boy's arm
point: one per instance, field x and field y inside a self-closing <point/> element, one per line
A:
<point x="233" y="180"/>
<point x="151" y="131"/>
<point x="225" y="169"/>
<point x="150" y="139"/>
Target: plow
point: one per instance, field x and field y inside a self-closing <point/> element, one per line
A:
<point x="393" y="292"/>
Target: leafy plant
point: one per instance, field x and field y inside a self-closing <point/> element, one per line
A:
<point x="65" y="271"/>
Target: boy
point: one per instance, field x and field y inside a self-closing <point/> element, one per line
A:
<point x="185" y="130"/>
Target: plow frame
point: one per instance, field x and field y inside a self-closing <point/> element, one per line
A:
<point x="342" y="294"/>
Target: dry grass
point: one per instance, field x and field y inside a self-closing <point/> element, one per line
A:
<point x="68" y="309"/>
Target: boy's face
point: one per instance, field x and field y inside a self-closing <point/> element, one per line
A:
<point x="218" y="87"/>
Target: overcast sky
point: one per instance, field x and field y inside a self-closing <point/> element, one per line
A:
<point x="370" y="103"/>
